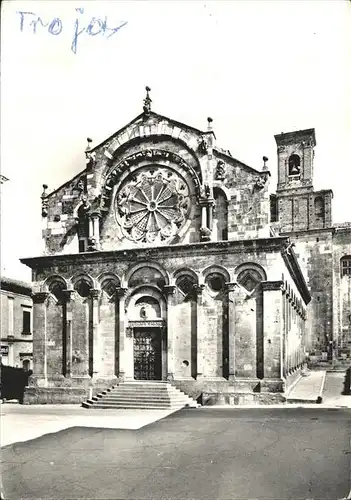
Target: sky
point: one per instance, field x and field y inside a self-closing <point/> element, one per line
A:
<point x="258" y="68"/>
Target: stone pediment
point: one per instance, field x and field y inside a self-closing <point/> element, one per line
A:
<point x="153" y="124"/>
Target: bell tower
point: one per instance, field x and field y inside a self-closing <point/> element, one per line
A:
<point x="295" y="160"/>
<point x="297" y="207"/>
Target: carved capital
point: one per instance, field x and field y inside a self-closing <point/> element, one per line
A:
<point x="121" y="291"/>
<point x="95" y="293"/>
<point x="40" y="297"/>
<point x="198" y="289"/>
<point x="169" y="289"/>
<point x="232" y="287"/>
<point x="129" y="331"/>
<point x="68" y="295"/>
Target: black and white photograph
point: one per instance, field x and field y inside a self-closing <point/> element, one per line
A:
<point x="175" y="250"/>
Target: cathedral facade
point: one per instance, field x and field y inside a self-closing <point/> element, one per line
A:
<point x="164" y="260"/>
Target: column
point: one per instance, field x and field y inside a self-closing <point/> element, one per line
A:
<point x="97" y="354"/>
<point x="170" y="293"/>
<point x="203" y="216"/>
<point x="272" y="328"/>
<point x="96" y="229"/>
<point x="122" y="333"/>
<point x="200" y="331"/>
<point x="67" y="346"/>
<point x="39" y="336"/>
<point x="231" y="287"/>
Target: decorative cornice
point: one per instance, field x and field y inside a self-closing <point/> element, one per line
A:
<point x="264" y="245"/>
<point x="268" y="286"/>
<point x="294" y="269"/>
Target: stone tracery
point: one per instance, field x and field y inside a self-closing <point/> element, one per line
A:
<point x="152" y="205"/>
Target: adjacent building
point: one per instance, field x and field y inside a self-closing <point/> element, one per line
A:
<point x="16" y="324"/>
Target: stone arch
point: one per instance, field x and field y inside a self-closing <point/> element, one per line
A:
<point x="55" y="284"/>
<point x="145" y="264"/>
<point x="187" y="271"/>
<point x="82" y="282"/>
<point x="248" y="266"/>
<point x="145" y="291"/>
<point x="108" y="282"/>
<point x="294" y="164"/>
<point x="117" y="148"/>
<point x="216" y="269"/>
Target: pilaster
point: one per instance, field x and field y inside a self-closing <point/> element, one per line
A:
<point x="170" y="294"/>
<point x="40" y="336"/>
<point x="200" y="329"/>
<point x="122" y="362"/>
<point x="272" y="328"/>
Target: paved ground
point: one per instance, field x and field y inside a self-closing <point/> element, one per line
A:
<point x="237" y="453"/>
<point x="308" y="387"/>
<point x="334" y="389"/>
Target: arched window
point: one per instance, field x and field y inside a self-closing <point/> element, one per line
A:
<point x="186" y="284"/>
<point x="56" y="288"/>
<point x="147" y="276"/>
<point x="294" y="165"/>
<point x="220" y="215"/>
<point x="83" y="287"/>
<point x="319" y="208"/>
<point x="215" y="282"/>
<point x="345" y="265"/>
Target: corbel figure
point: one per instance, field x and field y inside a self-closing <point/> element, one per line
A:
<point x="44" y="202"/>
<point x="203" y="146"/>
<point x="220" y="170"/>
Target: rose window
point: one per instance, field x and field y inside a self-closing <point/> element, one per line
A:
<point x="153" y="205"/>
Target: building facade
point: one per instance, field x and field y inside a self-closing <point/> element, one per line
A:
<point x="16" y="324"/>
<point x="323" y="248"/>
<point x="160" y="265"/>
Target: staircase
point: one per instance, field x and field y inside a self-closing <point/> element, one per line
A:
<point x="141" y="395"/>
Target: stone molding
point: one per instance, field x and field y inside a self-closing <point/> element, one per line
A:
<point x="40" y="297"/>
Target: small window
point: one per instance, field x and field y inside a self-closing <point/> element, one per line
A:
<point x="26" y="323"/>
<point x="346" y="266"/>
<point x="26" y="365"/>
<point x="294" y="165"/>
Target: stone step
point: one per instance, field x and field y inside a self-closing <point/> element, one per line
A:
<point x="141" y="395"/>
<point x="133" y="406"/>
